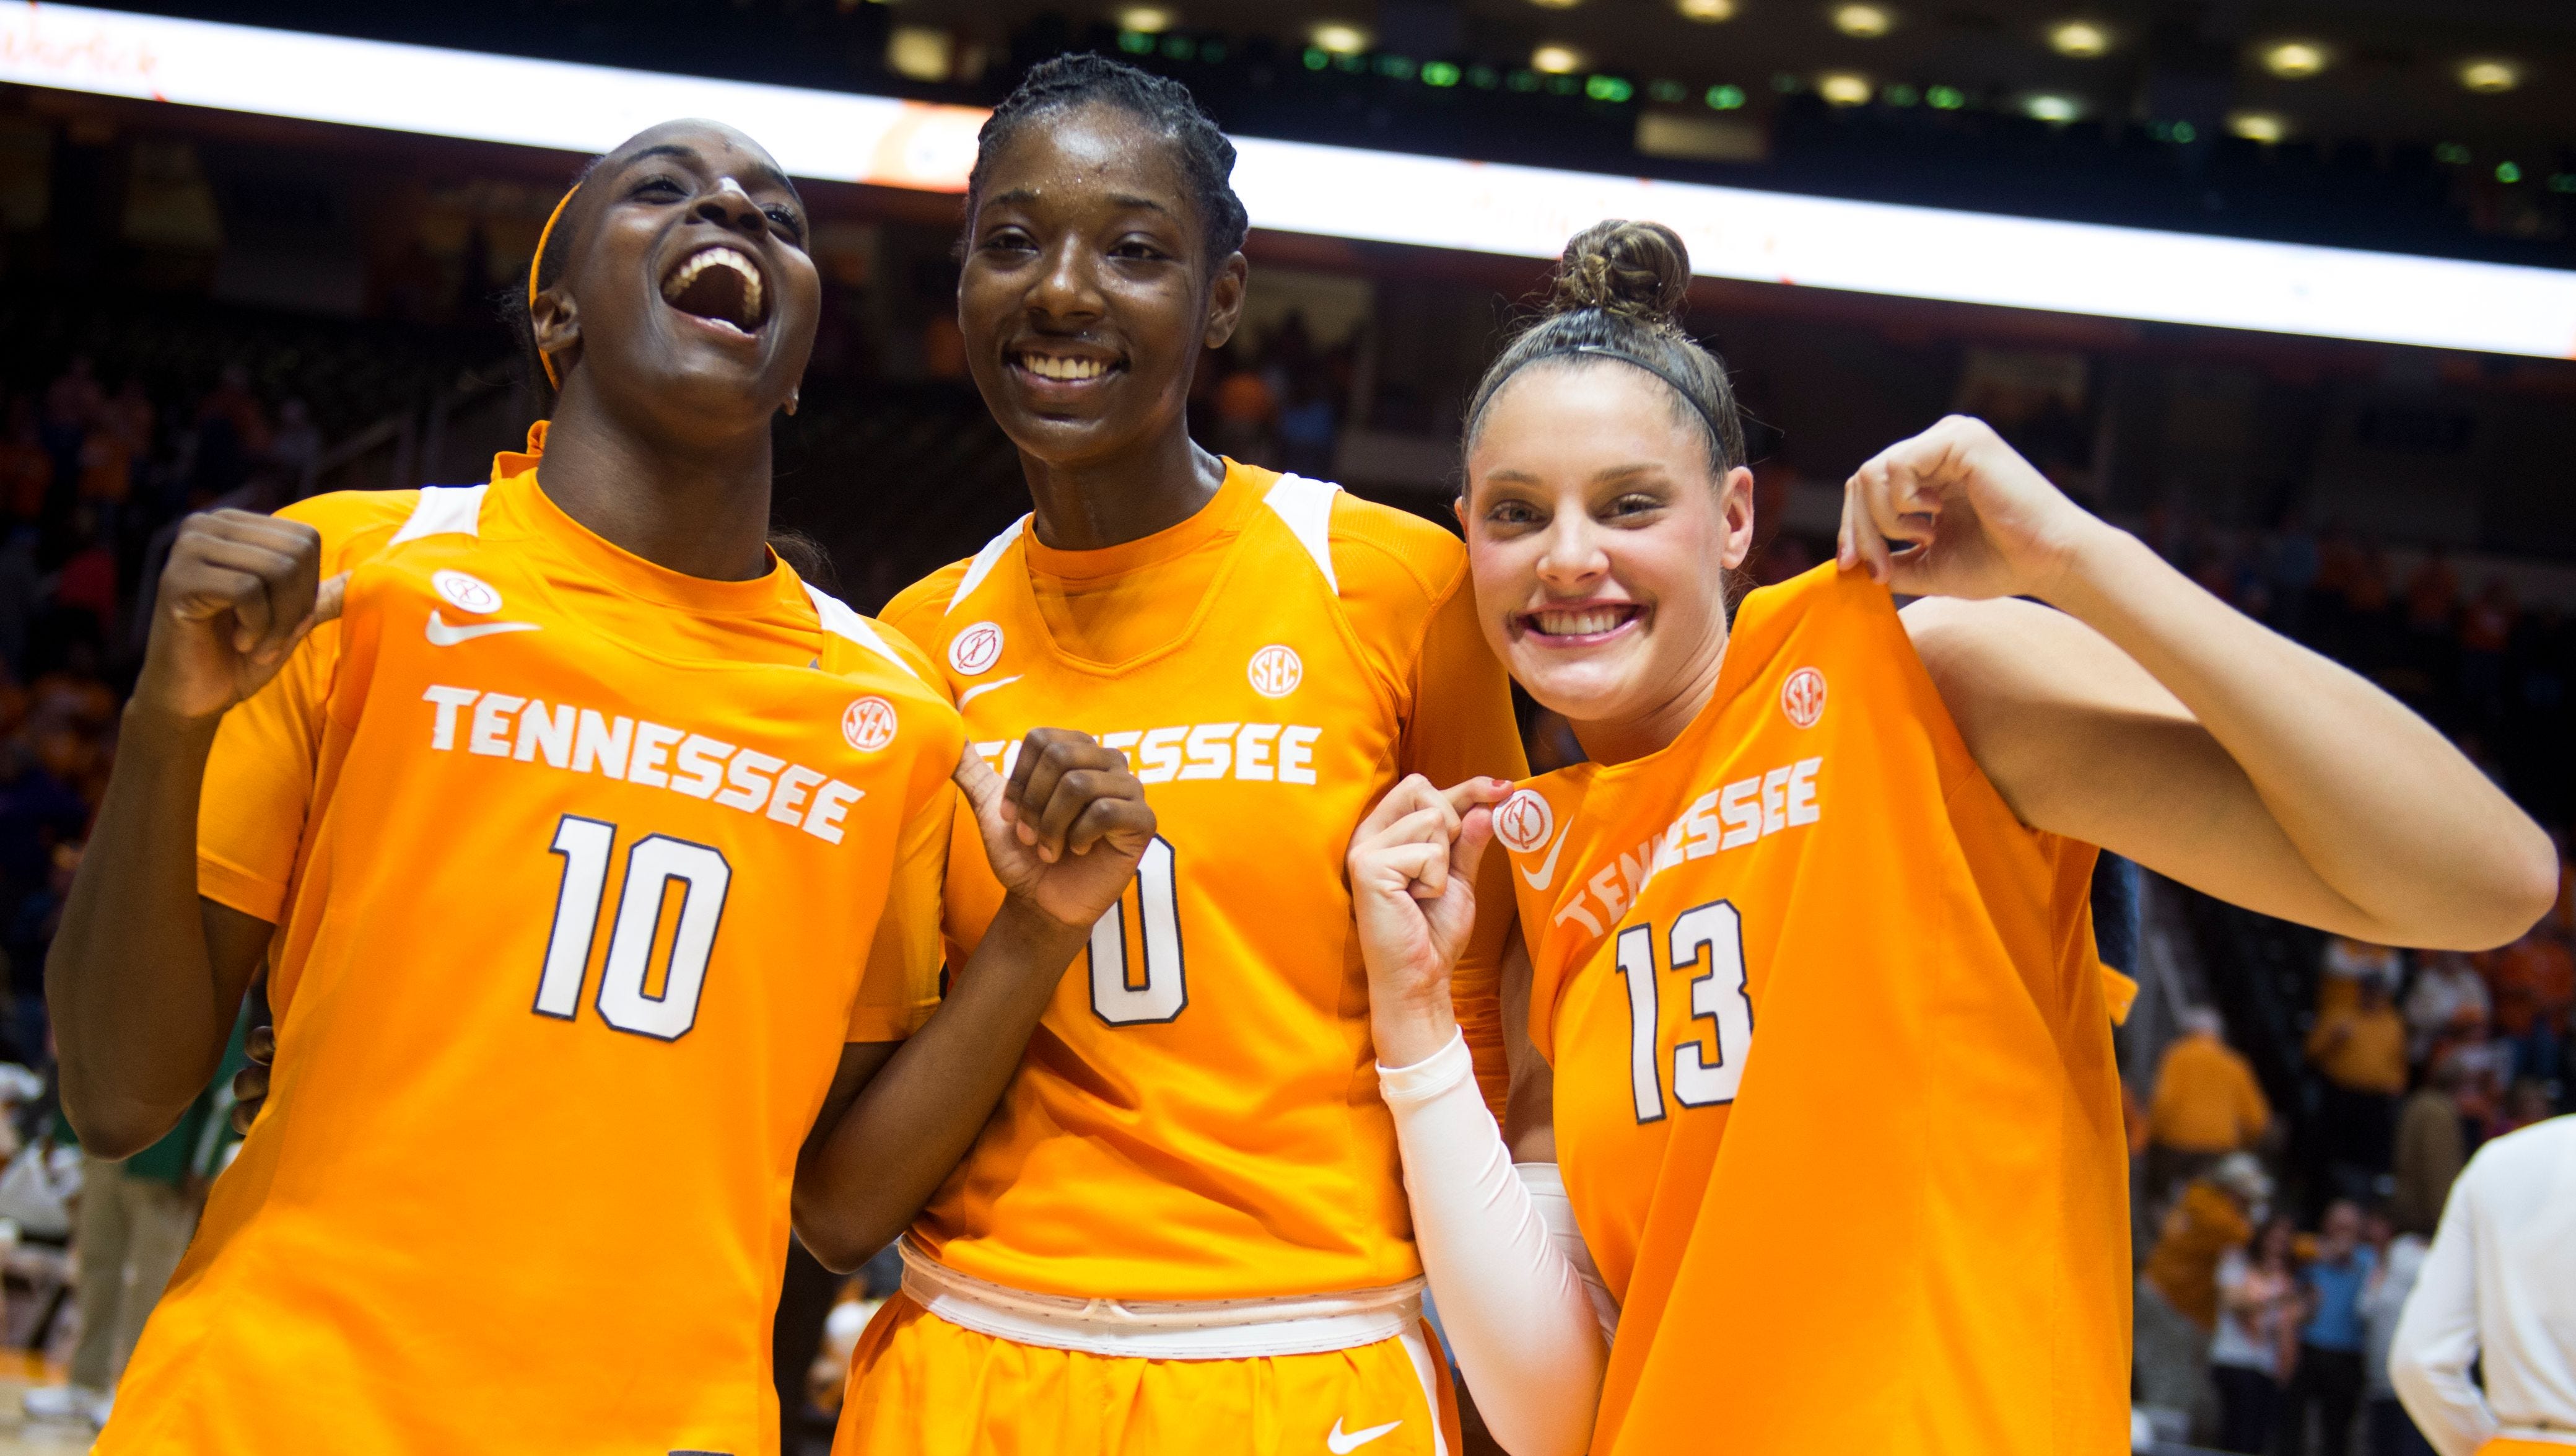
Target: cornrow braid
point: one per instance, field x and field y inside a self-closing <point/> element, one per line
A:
<point x="1068" y="81"/>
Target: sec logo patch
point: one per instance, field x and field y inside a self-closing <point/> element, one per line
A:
<point x="868" y="723"/>
<point x="1276" y="670"/>
<point x="466" y="593"/>
<point x="1524" y="822"/>
<point x="1802" y="697"/>
<point x="976" y="649"/>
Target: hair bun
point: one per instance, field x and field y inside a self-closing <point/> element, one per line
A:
<point x="1637" y="270"/>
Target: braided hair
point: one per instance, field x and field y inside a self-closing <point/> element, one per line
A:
<point x="1070" y="81"/>
<point x="1620" y="289"/>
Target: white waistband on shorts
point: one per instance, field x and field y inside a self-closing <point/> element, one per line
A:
<point x="1198" y="1329"/>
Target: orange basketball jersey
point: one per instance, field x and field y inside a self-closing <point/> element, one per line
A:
<point x="1198" y="1116"/>
<point x="578" y="868"/>
<point x="1835" y="1100"/>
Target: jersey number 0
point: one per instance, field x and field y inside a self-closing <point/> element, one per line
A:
<point x="653" y="864"/>
<point x="1118" y="997"/>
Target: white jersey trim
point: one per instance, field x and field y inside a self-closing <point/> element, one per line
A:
<point x="1307" y="507"/>
<point x="840" y="621"/>
<point x="1196" y="1329"/>
<point x="444" y="510"/>
<point x="985" y="560"/>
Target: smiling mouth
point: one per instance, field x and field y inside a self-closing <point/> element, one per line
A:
<point x="1578" y="625"/>
<point x="1065" y="368"/>
<point x="720" y="285"/>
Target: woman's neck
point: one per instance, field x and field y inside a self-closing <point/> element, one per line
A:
<point x="1635" y="735"/>
<point x="1093" y="504"/>
<point x="700" y="508"/>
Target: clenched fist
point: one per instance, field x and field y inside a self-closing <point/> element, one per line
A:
<point x="240" y="592"/>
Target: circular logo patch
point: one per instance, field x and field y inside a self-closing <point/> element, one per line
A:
<point x="1524" y="822"/>
<point x="1802" y="697"/>
<point x="1276" y="670"/>
<point x="466" y="593"/>
<point x="976" y="649"/>
<point x="868" y="723"/>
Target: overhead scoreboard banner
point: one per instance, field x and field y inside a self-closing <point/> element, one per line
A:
<point x="1344" y="192"/>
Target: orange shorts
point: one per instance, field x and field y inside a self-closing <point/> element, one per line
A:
<point x="2508" y="1446"/>
<point x="920" y="1386"/>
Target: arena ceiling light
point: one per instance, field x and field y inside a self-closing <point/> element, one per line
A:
<point x="1706" y="12"/>
<point x="1146" y="19"/>
<point x="1844" y="88"/>
<point x="2052" y="107"/>
<point x="2295" y="60"/>
<point x="2082" y="39"/>
<point x="2258" y="126"/>
<point x="1339" y="38"/>
<point x="1343" y="192"/>
<point x="1864" y="22"/>
<point x="2489" y="77"/>
<point x="1556" y="60"/>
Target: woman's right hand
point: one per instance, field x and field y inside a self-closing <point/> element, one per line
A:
<point x="241" y="590"/>
<point x="1413" y="894"/>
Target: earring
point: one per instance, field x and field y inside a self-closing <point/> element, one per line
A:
<point x="791" y="400"/>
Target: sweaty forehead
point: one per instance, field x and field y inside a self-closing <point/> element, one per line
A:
<point x="711" y="143"/>
<point x="1087" y="154"/>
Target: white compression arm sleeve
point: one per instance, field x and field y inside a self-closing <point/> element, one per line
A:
<point x="1519" y="1312"/>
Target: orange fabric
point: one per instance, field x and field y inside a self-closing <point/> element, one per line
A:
<point x="921" y="1384"/>
<point x="2361" y="1051"/>
<point x="484" y="1158"/>
<point x="2532" y="978"/>
<point x="2203" y="1224"/>
<point x="2206" y="1100"/>
<point x="1906" y="1228"/>
<point x="2508" y="1446"/>
<point x="1198" y="1117"/>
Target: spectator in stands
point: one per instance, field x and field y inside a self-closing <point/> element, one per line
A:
<point x="133" y="1223"/>
<point x="71" y="404"/>
<point x="2324" y="1393"/>
<point x="2295" y="561"/>
<point x="85" y="584"/>
<point x="2177" y="1305"/>
<point x="2533" y="982"/>
<point x="2431" y="1148"/>
<point x="2432" y="593"/>
<point x="2449" y="997"/>
<point x="2525" y="1103"/>
<point x="2360" y="1051"/>
<point x="2496" y="1292"/>
<point x="2253" y="1347"/>
<point x="26" y="466"/>
<point x="1246" y="412"/>
<point x="2486" y="630"/>
<point x="2205" y="1106"/>
<point x="2383" y="1299"/>
<point x="2348" y="963"/>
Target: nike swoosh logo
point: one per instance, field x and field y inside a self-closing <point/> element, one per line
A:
<point x="443" y="634"/>
<point x="1342" y="1445"/>
<point x="980" y="689"/>
<point x="1547" y="866"/>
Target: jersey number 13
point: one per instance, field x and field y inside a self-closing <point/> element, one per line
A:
<point x="1706" y="1071"/>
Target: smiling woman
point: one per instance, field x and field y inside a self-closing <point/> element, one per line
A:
<point x="442" y="761"/>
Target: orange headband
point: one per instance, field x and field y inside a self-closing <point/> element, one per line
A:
<point x="548" y="231"/>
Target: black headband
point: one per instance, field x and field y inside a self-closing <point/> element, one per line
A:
<point x="1716" y="436"/>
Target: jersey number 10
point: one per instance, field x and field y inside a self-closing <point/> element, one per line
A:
<point x="1703" y="1076"/>
<point x="652" y="865"/>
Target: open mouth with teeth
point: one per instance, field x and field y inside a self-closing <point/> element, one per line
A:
<point x="720" y="285"/>
<point x="1054" y="368"/>
<point x="1580" y="626"/>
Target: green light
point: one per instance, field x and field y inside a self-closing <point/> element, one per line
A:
<point x="2185" y="133"/>
<point x="1945" y="98"/>
<point x="1523" y="81"/>
<point x="1483" y="78"/>
<point x="2452" y="154"/>
<point x="1439" y="73"/>
<point x="1608" y="88"/>
<point x="1317" y="58"/>
<point x="1180" y="47"/>
<point x="1784" y="83"/>
<point x="1135" y="42"/>
<point x="2562" y="181"/>
<point x="1352" y="64"/>
<point x="1212" y="52"/>
<point x="1563" y="85"/>
<point x="2508" y="173"/>
<point x="1725" y="98"/>
<point x="1395" y="68"/>
<point x="1900" y="94"/>
<point x="1668" y="91"/>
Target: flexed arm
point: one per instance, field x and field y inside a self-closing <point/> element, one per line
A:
<point x="1063" y="836"/>
<point x="2150" y="718"/>
<point x="144" y="979"/>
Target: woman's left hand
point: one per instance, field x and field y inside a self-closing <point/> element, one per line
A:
<point x="1977" y="520"/>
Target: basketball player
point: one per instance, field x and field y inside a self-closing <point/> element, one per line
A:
<point x="1829" y="1050"/>
<point x="592" y="855"/>
<point x="1183" y="1230"/>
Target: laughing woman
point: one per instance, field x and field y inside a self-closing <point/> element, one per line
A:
<point x="1834" y="1101"/>
<point x="594" y="860"/>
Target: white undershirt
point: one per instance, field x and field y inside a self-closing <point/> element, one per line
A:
<point x="2499" y="1289"/>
